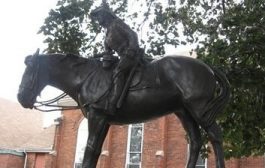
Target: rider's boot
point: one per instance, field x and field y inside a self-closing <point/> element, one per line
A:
<point x="115" y="94"/>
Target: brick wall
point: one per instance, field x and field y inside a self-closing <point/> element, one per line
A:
<point x="39" y="160"/>
<point x="164" y="145"/>
<point x="117" y="143"/>
<point x="152" y="142"/>
<point x="176" y="149"/>
<point x="11" y="161"/>
<point x="66" y="138"/>
<point x="34" y="160"/>
<point x="252" y="162"/>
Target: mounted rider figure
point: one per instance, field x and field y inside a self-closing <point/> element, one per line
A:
<point x="121" y="39"/>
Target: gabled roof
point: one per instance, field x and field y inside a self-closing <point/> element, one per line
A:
<point x="41" y="142"/>
<point x="22" y="129"/>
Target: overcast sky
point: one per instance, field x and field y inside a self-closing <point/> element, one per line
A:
<point x="20" y="22"/>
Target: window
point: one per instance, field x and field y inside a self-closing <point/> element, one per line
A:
<point x="201" y="163"/>
<point x="81" y="143"/>
<point x="134" y="146"/>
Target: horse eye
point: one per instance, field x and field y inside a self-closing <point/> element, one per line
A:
<point x="28" y="61"/>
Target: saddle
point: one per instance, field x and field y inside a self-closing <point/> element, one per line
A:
<point x="145" y="77"/>
<point x="98" y="85"/>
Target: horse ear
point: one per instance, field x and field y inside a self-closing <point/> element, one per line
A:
<point x="37" y="52"/>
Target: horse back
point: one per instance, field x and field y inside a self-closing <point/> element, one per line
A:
<point x="184" y="75"/>
<point x="190" y="76"/>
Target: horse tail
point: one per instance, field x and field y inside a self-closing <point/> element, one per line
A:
<point x="217" y="105"/>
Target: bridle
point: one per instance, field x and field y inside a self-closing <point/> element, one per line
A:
<point x="32" y="80"/>
<point x="52" y="103"/>
<point x="53" y="107"/>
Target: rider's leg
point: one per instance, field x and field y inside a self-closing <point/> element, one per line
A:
<point x="118" y="85"/>
<point x="119" y="76"/>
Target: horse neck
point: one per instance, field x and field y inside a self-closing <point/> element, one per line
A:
<point x="66" y="73"/>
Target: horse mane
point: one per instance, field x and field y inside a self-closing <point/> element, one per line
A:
<point x="74" y="60"/>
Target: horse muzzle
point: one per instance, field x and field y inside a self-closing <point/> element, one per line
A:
<point x="25" y="101"/>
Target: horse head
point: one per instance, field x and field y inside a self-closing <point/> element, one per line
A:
<point x="32" y="81"/>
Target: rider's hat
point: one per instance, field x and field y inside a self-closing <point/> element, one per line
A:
<point x="104" y="10"/>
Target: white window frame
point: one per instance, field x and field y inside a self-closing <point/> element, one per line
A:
<point x="197" y="165"/>
<point x="127" y="163"/>
<point x="84" y="128"/>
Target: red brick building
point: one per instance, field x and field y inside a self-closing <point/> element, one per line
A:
<point x="160" y="143"/>
<point x="23" y="140"/>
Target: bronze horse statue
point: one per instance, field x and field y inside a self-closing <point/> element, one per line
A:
<point x="181" y="85"/>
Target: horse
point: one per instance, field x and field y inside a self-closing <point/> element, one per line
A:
<point x="195" y="92"/>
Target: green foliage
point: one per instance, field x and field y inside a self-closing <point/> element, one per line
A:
<point x="64" y="27"/>
<point x="229" y="34"/>
<point x="238" y="48"/>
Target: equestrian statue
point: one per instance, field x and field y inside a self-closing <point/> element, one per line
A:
<point x="131" y="90"/>
<point x="123" y="40"/>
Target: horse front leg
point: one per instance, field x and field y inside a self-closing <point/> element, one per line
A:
<point x="98" y="129"/>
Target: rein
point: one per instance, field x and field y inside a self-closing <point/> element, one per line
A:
<point x="49" y="103"/>
<point x="40" y="105"/>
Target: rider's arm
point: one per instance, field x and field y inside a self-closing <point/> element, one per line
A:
<point x="107" y="48"/>
<point x="130" y="35"/>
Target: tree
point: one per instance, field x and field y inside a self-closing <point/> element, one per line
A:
<point x="238" y="47"/>
<point x="229" y="34"/>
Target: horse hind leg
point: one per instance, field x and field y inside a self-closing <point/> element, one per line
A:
<point x="215" y="136"/>
<point x="213" y="131"/>
<point x="192" y="129"/>
<point x="208" y="123"/>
